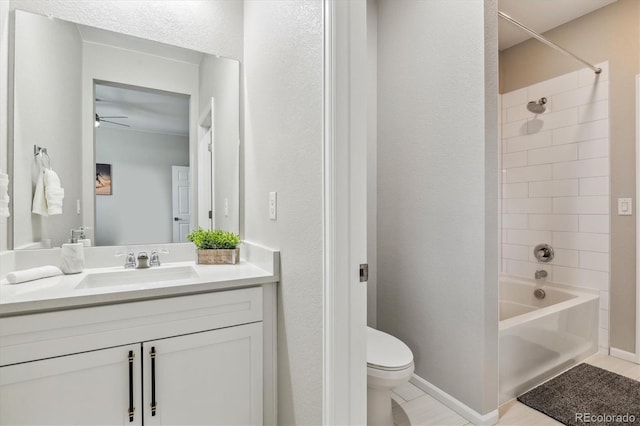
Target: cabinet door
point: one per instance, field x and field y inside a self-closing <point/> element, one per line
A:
<point x="90" y="388"/>
<point x="208" y="378"/>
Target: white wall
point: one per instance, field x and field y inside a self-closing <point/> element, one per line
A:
<point x="438" y="191"/>
<point x="139" y="211"/>
<point x="283" y="83"/>
<point x="372" y="160"/>
<point x="47" y="93"/>
<point x="4" y="76"/>
<point x="209" y="26"/>
<point x="555" y="186"/>
<point x="220" y="79"/>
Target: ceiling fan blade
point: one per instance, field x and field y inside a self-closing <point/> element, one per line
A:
<point x="113" y="122"/>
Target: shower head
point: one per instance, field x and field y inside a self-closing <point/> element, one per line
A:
<point x="537" y="107"/>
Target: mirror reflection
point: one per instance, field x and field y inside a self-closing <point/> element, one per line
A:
<point x="143" y="136"/>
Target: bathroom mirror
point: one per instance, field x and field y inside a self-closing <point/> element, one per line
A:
<point x="70" y="84"/>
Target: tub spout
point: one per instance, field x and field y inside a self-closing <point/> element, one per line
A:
<point x="541" y="274"/>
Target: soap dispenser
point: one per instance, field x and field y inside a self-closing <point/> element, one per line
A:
<point x="83" y="237"/>
<point x="73" y="254"/>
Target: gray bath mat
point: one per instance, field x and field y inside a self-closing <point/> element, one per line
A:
<point x="587" y="395"/>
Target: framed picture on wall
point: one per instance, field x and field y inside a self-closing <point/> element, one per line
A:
<point x="103" y="179"/>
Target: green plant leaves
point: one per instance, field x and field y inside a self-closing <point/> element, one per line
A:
<point x="213" y="239"/>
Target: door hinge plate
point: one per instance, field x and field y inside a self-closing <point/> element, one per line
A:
<point x="364" y="272"/>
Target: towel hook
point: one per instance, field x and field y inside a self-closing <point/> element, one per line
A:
<point x="42" y="152"/>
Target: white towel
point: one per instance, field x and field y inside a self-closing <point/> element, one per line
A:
<point x="18" y="277"/>
<point x="54" y="193"/>
<point x="39" y="200"/>
<point x="4" y="195"/>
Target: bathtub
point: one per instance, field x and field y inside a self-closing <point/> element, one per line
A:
<point x="541" y="338"/>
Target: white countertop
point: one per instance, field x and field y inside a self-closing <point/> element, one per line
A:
<point x="61" y="292"/>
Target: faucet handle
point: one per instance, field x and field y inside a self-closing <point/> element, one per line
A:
<point x="154" y="260"/>
<point x="130" y="260"/>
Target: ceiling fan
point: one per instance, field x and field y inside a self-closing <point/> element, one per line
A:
<point x="100" y="119"/>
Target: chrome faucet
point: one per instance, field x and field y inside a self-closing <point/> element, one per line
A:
<point x="541" y="274"/>
<point x="130" y="259"/>
<point x="154" y="260"/>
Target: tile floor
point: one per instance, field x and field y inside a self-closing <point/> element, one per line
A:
<point x="413" y="407"/>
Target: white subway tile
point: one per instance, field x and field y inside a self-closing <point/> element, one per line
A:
<point x="515" y="190"/>
<point x="523" y="143"/>
<point x="596" y="204"/>
<point x="554" y="154"/>
<point x="587" y="76"/>
<point x="604" y="300"/>
<point x="562" y="257"/>
<point x="594" y="186"/>
<point x="517" y="128"/>
<point x="549" y="121"/>
<point x="515" y="252"/>
<point x="553" y="86"/>
<point x="518" y="112"/>
<point x="503" y="147"/>
<point x="503" y="117"/>
<point x="594" y="223"/>
<point x="594" y="261"/>
<point x="515" y="159"/>
<point x="514" y="221"/>
<point x="515" y="97"/>
<point x="581" y="241"/>
<point x="581" y="96"/>
<point x="604" y="319"/>
<point x="527" y="269"/>
<point x="529" y="174"/>
<point x="593" y="167"/>
<point x="593" y="111"/>
<point x="596" y="280"/>
<point x="547" y="222"/>
<point x="593" y="149"/>
<point x="528" y="205"/>
<point x="581" y="132"/>
<point x="529" y="238"/>
<point x="554" y="188"/>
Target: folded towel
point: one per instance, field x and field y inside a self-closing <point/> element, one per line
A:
<point x="54" y="194"/>
<point x="39" y="200"/>
<point x="18" y="277"/>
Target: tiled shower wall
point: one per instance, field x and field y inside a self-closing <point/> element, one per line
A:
<point x="555" y="183"/>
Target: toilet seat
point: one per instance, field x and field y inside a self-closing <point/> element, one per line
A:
<point x="386" y="352"/>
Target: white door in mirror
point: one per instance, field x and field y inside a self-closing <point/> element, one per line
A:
<point x="181" y="188"/>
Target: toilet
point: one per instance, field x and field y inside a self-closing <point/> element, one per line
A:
<point x="389" y="365"/>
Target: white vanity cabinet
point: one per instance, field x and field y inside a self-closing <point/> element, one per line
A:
<point x="185" y="360"/>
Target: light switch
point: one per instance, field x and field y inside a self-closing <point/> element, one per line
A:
<point x="226" y="207"/>
<point x="77" y="206"/>
<point x="625" y="206"/>
<point x="273" y="205"/>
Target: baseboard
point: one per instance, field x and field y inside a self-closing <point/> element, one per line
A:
<point x="457" y="406"/>
<point x="627" y="356"/>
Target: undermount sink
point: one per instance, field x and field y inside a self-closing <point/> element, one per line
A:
<point x="137" y="276"/>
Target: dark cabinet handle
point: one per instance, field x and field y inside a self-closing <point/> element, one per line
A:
<point x="176" y="219"/>
<point x="154" y="404"/>
<point x="131" y="407"/>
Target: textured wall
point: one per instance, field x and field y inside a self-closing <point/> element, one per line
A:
<point x="209" y="26"/>
<point x="437" y="191"/>
<point x="283" y="83"/>
<point x="611" y="33"/>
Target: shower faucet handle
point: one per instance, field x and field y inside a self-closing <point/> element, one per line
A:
<point x="543" y="253"/>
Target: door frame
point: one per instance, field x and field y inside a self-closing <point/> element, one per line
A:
<point x="637" y="218"/>
<point x="344" y="213"/>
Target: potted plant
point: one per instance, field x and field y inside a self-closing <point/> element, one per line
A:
<point x="216" y="246"/>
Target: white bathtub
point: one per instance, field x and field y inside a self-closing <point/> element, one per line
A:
<point x="540" y="338"/>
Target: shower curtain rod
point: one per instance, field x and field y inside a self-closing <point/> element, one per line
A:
<point x="547" y="42"/>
